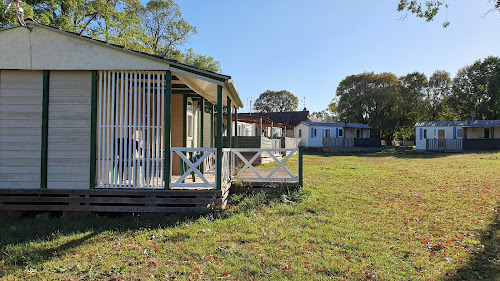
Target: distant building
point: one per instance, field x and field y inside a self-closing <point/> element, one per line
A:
<point x="315" y="134"/>
<point x="458" y="135"/>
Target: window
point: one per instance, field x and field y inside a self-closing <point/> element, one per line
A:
<point x="341" y="132"/>
<point x="460" y="133"/>
<point x="315" y="133"/>
<point x="358" y="133"/>
<point x="486" y="133"/>
<point x="327" y="133"/>
<point x="425" y="133"/>
<point x="441" y="134"/>
<point x="189" y="120"/>
<point x="300" y="133"/>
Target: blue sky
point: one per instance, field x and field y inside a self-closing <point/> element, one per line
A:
<point x="308" y="47"/>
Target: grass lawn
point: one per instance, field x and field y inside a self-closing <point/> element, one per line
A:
<point x="382" y="216"/>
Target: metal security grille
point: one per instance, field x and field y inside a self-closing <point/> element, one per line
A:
<point x="130" y="129"/>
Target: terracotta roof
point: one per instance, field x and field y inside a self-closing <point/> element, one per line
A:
<point x="290" y="118"/>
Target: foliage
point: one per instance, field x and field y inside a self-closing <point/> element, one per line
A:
<point x="384" y="216"/>
<point x="369" y="98"/>
<point x="276" y="101"/>
<point x="430" y="8"/>
<point x="156" y="28"/>
<point x="325" y="115"/>
<point x="394" y="105"/>
<point x="476" y="89"/>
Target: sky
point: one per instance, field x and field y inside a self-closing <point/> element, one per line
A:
<point x="309" y="47"/>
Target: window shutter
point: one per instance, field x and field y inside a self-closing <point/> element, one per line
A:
<point x="336" y="132"/>
<point x="312" y="132"/>
<point x="454" y="132"/>
<point x="421" y="133"/>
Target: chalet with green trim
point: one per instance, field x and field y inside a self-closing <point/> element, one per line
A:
<point x="109" y="129"/>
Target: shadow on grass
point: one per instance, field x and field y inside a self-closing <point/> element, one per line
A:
<point x="28" y="242"/>
<point x="402" y="154"/>
<point x="484" y="264"/>
<point x="16" y="236"/>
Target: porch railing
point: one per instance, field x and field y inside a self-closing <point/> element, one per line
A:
<point x="192" y="158"/>
<point x="444" y="144"/>
<point x="249" y="170"/>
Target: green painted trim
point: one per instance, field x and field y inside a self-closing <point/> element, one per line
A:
<point x="219" y="138"/>
<point x="301" y="167"/>
<point x="93" y="132"/>
<point x="212" y="126"/>
<point x="167" y="129"/>
<point x="45" y="129"/>
<point x="236" y="128"/>
<point x="229" y="121"/>
<point x="184" y="117"/>
<point x="183" y="92"/>
<point x="187" y="68"/>
<point x="202" y="120"/>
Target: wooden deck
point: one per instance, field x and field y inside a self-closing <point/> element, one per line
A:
<point x="113" y="200"/>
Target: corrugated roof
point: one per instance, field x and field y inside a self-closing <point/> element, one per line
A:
<point x="467" y="123"/>
<point x="338" y="124"/>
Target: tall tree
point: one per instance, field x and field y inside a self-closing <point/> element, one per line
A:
<point x="370" y="99"/>
<point x="476" y="89"/>
<point x="276" y="101"/>
<point x="437" y="95"/>
<point x="411" y="107"/>
<point x="156" y="28"/>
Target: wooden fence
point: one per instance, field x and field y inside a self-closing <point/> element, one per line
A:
<point x="444" y="144"/>
<point x="338" y="142"/>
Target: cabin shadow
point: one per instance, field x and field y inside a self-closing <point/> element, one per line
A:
<point x="484" y="264"/>
<point x="16" y="252"/>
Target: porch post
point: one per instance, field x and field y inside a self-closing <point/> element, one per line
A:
<point x="219" y="138"/>
<point x="93" y="132"/>
<point x="236" y="127"/>
<point x="212" y="126"/>
<point x="45" y="130"/>
<point x="202" y="120"/>
<point x="184" y="124"/>
<point x="229" y="121"/>
<point x="300" y="168"/>
<point x="166" y="130"/>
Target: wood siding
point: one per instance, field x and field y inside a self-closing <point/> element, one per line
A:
<point x="177" y="129"/>
<point x="20" y="127"/>
<point x="68" y="157"/>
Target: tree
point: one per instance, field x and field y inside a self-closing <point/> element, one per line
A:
<point x="276" y="101"/>
<point x="437" y="95"/>
<point x="370" y="99"/>
<point x="156" y="28"/>
<point x="430" y="8"/>
<point x="476" y="89"/>
<point x="325" y="115"/>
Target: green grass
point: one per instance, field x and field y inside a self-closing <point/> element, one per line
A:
<point x="382" y="216"/>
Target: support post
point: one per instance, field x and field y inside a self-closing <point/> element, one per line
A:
<point x="235" y="145"/>
<point x="202" y="131"/>
<point x="301" y="167"/>
<point x="45" y="130"/>
<point x="93" y="131"/>
<point x="212" y="126"/>
<point x="219" y="138"/>
<point x="167" y="129"/>
<point x="229" y="121"/>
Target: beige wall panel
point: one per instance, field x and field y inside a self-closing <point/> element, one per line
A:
<point x="20" y="127"/>
<point x="69" y="130"/>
